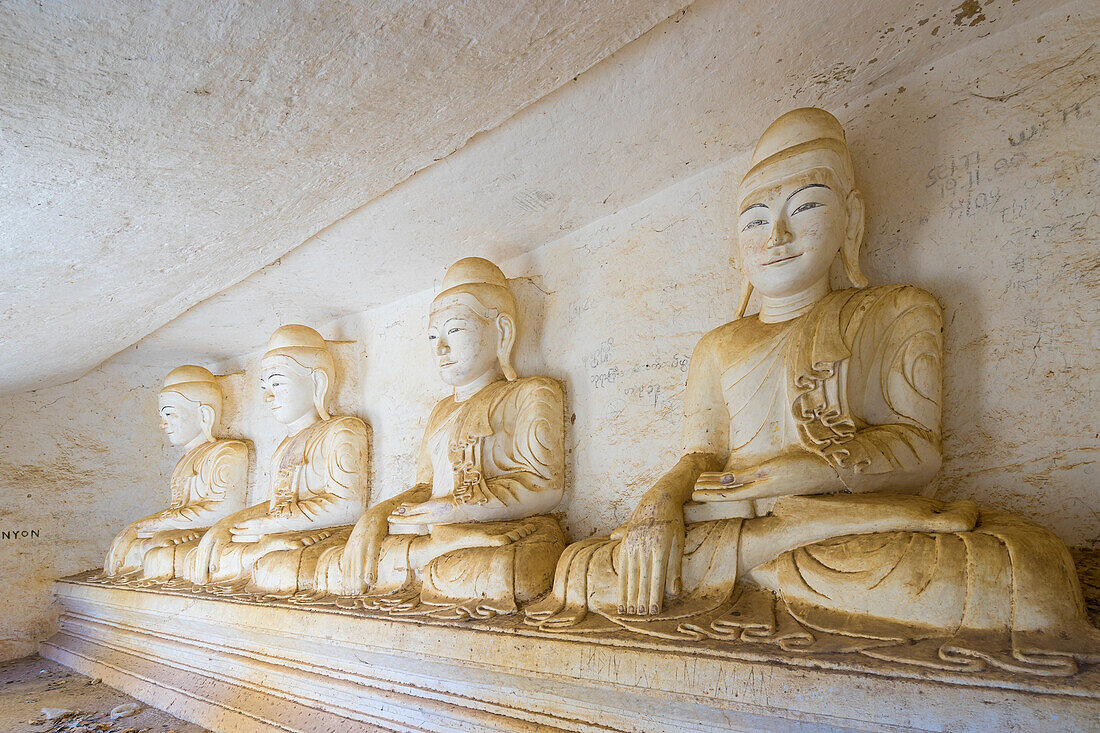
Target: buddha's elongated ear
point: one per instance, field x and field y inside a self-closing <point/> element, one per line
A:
<point x="320" y="391"/>
<point x="746" y="293"/>
<point x="506" y="325"/>
<point x="853" y="239"/>
<point x="206" y="419"/>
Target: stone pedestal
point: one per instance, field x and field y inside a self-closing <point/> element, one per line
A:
<point x="239" y="665"/>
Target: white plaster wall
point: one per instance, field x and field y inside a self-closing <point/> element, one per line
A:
<point x="979" y="173"/>
<point x="77" y="462"/>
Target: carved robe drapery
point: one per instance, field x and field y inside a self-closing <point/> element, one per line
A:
<point x="318" y="473"/>
<point x="855" y="381"/>
<point x="207" y="483"/>
<point x="503" y="451"/>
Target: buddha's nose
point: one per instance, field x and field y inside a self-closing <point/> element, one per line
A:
<point x="268" y="396"/>
<point x="781" y="235"/>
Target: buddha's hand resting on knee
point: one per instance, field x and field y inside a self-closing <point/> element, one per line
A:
<point x="359" y="560"/>
<point x="649" y="555"/>
<point x="209" y="551"/>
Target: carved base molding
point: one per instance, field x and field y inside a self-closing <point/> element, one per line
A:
<point x="235" y="665"/>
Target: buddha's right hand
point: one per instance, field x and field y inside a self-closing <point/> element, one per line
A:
<point x="359" y="561"/>
<point x="208" y="553"/>
<point x="649" y="556"/>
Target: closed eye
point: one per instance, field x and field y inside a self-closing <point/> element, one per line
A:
<point x="754" y="224"/>
<point x="807" y="206"/>
<point x="456" y="329"/>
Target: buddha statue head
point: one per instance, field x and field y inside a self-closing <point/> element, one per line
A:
<point x="798" y="208"/>
<point x="297" y="373"/>
<point x="190" y="405"/>
<point x="473" y="324"/>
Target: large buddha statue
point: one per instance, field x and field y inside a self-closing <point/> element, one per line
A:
<point x="791" y="516"/>
<point x="208" y="482"/>
<point x="318" y="475"/>
<point x="472" y="537"/>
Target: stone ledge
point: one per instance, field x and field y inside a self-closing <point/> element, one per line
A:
<point x="239" y="665"/>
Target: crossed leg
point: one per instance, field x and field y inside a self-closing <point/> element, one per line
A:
<point x="797" y="521"/>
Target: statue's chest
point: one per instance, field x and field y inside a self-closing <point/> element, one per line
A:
<point x="755" y="390"/>
<point x="442" y="445"/>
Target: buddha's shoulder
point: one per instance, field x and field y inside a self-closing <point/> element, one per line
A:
<point x="721" y="337"/>
<point x="536" y="385"/>
<point x="527" y="393"/>
<point x="894" y="295"/>
<point x="888" y="303"/>
<point x="227" y="449"/>
<point x="343" y="427"/>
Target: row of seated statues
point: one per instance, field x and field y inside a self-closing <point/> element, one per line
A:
<point x="792" y="517"/>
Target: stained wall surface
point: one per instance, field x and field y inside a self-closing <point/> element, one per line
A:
<point x="980" y="176"/>
<point x="77" y="462"/>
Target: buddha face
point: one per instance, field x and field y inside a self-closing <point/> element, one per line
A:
<point x="464" y="343"/>
<point x="180" y="418"/>
<point x="790" y="231"/>
<point x="287" y="389"/>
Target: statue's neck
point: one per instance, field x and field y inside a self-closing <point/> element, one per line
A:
<point x="777" y="310"/>
<point x="305" y="421"/>
<point x="195" y="442"/>
<point x="466" y="391"/>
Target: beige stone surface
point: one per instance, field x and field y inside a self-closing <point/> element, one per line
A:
<point x="79" y="462"/>
<point x="276" y="666"/>
<point x="688" y="95"/>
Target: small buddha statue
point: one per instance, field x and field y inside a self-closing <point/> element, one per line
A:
<point x="792" y="516"/>
<point x="208" y="482"/>
<point x="473" y="536"/>
<point x="318" y="476"/>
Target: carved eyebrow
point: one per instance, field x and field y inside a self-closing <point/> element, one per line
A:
<point x="753" y="206"/>
<point x="811" y="185"/>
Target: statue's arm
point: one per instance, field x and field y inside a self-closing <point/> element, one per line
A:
<point x="344" y="493"/>
<point x="534" y="416"/>
<point x="218" y="536"/>
<point x="900" y="448"/>
<point x="359" y="558"/>
<point x="652" y="544"/>
<point x="224" y="476"/>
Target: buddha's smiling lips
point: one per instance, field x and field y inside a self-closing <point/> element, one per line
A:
<point x="445" y="364"/>
<point x="782" y="259"/>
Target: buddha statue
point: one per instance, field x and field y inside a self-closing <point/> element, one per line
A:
<point x="208" y="482"/>
<point x="792" y="516"/>
<point x="318" y="476"/>
<point x="472" y="537"/>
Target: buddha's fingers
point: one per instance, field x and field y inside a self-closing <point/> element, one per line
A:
<point x="624" y="576"/>
<point x="657" y="560"/>
<point x="673" y="565"/>
<point x="645" y="575"/>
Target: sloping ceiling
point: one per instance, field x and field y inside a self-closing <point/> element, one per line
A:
<point x="695" y="91"/>
<point x="156" y="154"/>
